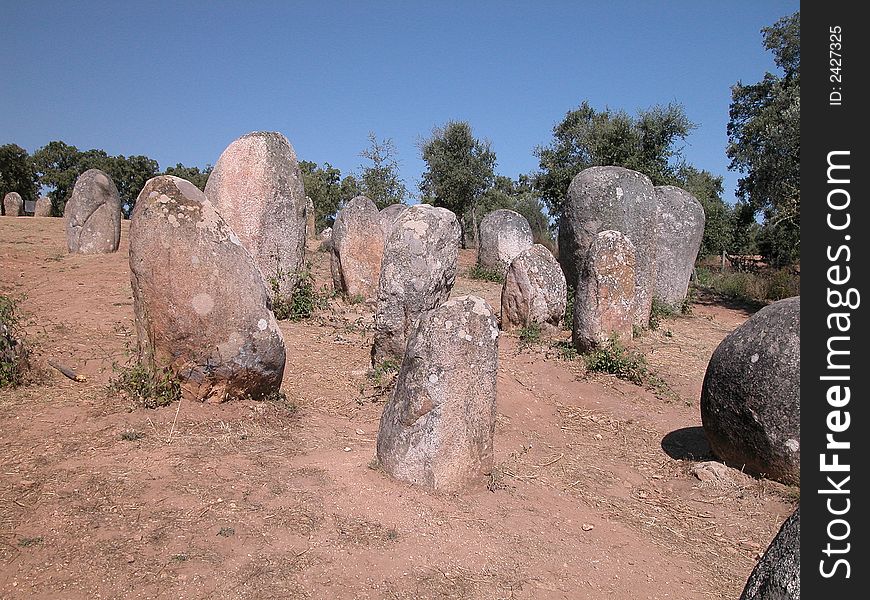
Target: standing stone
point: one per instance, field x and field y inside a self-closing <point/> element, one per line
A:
<point x="43" y="207"/>
<point x="503" y="235"/>
<point x="777" y="576"/>
<point x="601" y="198"/>
<point x="751" y="397"/>
<point x="389" y="215"/>
<point x="93" y="214"/>
<point x="256" y="186"/>
<point x="678" y="239"/>
<point x="437" y="429"/>
<point x="201" y="306"/>
<point x="534" y="291"/>
<point x="310" y="227"/>
<point x="605" y="299"/>
<point x="357" y="249"/>
<point x="13" y="205"/>
<point x="417" y="274"/>
<point x="325" y="237"/>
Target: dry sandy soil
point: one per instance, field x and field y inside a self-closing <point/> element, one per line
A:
<point x="592" y="495"/>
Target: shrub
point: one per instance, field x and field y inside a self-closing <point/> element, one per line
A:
<point x="382" y="373"/>
<point x="659" y="310"/>
<point x="530" y="334"/>
<point x="484" y="274"/>
<point x="151" y="390"/>
<point x="757" y="287"/>
<point x="614" y="358"/>
<point x="303" y="300"/>
<point x="13" y="351"/>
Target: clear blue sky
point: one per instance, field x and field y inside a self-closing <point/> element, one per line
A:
<point x="178" y="81"/>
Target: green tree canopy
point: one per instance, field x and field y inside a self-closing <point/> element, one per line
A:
<point x="327" y="190"/>
<point x="459" y="169"/>
<point x="522" y="197"/>
<point x="195" y="175"/>
<point x="764" y="143"/>
<point x="380" y="181"/>
<point x="58" y="165"/>
<point x="587" y="137"/>
<point x="17" y="173"/>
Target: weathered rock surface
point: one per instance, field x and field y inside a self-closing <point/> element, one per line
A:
<point x="534" y="290"/>
<point x="257" y="188"/>
<point x="750" y="400"/>
<point x="13" y="205"/>
<point x="357" y="249"/>
<point x="389" y="214"/>
<point x="201" y="305"/>
<point x="43" y="207"/>
<point x="417" y="274"/>
<point x="605" y="299"/>
<point x="93" y="214"/>
<point x="602" y="198"/>
<point x="678" y="239"/>
<point x="503" y="235"/>
<point x="437" y="429"/>
<point x="777" y="576"/>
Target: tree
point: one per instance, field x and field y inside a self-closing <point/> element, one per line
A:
<point x="718" y="216"/>
<point x="57" y="165"/>
<point x="327" y="190"/>
<point x="130" y="175"/>
<point x="764" y="143"/>
<point x="380" y="182"/>
<point x="17" y="173"/>
<point x="193" y="174"/>
<point x="587" y="137"/>
<point x="519" y="196"/>
<point x="459" y="169"/>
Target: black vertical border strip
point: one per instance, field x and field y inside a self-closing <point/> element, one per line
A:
<point x="828" y="126"/>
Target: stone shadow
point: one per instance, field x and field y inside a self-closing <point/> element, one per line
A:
<point x="688" y="443"/>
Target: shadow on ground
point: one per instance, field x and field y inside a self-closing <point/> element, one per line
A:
<point x="688" y="443"/>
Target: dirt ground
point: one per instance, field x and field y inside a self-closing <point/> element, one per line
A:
<point x="592" y="495"/>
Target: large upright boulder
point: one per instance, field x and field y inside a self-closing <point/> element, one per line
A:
<point x="777" y="576"/>
<point x="201" y="306"/>
<point x="534" y="291"/>
<point x="678" y="239"/>
<point x="417" y="274"/>
<point x="43" y="207"/>
<point x="257" y="188"/>
<point x="611" y="198"/>
<point x="751" y="397"/>
<point x="93" y="214"/>
<point x="389" y="214"/>
<point x="605" y="298"/>
<point x="357" y="249"/>
<point x="437" y="429"/>
<point x="503" y="235"/>
<point x="13" y="205"/>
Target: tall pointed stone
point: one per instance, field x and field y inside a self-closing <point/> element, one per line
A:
<point x="257" y="188"/>
<point x="437" y="429"/>
<point x="605" y="299"/>
<point x="357" y="249"/>
<point x="417" y="274"/>
<point x="93" y="214"/>
<point x="503" y="235"/>
<point x="678" y="239"/>
<point x="611" y="198"/>
<point x="201" y="306"/>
